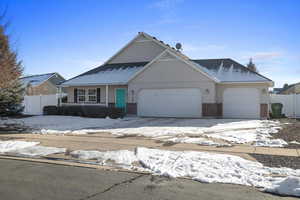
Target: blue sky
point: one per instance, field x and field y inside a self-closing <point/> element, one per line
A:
<point x="73" y="36"/>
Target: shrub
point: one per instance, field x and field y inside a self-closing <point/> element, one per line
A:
<point x="115" y="113"/>
<point x="50" y="110"/>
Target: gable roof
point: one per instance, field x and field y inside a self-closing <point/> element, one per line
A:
<point x="36" y="80"/>
<point x="108" y="74"/>
<point x="219" y="70"/>
<point x="288" y="87"/>
<point x="228" y="70"/>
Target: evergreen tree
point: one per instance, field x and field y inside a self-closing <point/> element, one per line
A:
<point x="252" y="66"/>
<point x="11" y="91"/>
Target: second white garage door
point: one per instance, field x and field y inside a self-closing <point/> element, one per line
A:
<point x="170" y="103"/>
<point x="241" y="103"/>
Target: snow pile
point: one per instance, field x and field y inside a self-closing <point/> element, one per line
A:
<point x="233" y="131"/>
<point x="9" y="146"/>
<point x="271" y="143"/>
<point x="287" y="186"/>
<point x="191" y="140"/>
<point x="31" y="149"/>
<point x="123" y="157"/>
<point x="200" y="166"/>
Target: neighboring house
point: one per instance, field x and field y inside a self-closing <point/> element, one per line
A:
<point x="149" y="78"/>
<point x="276" y="90"/>
<point x="42" y="84"/>
<point x="291" y="89"/>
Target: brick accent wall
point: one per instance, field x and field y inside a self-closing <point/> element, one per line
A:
<point x="264" y="111"/>
<point x="212" y="110"/>
<point x="132" y="108"/>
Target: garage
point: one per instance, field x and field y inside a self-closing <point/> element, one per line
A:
<point x="170" y="103"/>
<point x="241" y="103"/>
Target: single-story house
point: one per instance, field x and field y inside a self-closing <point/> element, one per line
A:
<point x="291" y="89"/>
<point x="41" y="84"/>
<point x="152" y="79"/>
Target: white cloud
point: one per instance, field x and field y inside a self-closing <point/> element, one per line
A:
<point x="265" y="55"/>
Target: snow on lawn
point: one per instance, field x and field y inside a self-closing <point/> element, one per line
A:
<point x="201" y="166"/>
<point x="30" y="149"/>
<point x="229" y="130"/>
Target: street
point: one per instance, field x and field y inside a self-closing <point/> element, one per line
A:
<point x="32" y="180"/>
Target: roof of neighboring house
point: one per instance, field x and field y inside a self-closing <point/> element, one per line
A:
<point x="277" y="90"/>
<point x="117" y="73"/>
<point x="288" y="87"/>
<point x="35" y="80"/>
<point x="228" y="70"/>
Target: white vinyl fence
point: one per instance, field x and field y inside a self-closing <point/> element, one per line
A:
<point x="33" y="105"/>
<point x="291" y="104"/>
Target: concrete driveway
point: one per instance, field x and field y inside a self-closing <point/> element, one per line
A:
<point x="34" y="181"/>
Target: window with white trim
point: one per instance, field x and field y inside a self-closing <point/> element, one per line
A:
<point x="81" y="95"/>
<point x="92" y="95"/>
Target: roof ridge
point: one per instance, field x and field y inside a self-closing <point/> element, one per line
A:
<point x="38" y="75"/>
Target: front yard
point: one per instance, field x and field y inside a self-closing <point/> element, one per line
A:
<point x="169" y="147"/>
<point x="214" y="132"/>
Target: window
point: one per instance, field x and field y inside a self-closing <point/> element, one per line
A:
<point x="81" y="95"/>
<point x="92" y="95"/>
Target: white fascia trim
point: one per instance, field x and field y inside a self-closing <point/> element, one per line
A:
<point x="55" y="73"/>
<point x="92" y="84"/>
<point x="271" y="83"/>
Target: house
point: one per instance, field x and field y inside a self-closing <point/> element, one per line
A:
<point x="152" y="79"/>
<point x="42" y="84"/>
<point x="291" y="89"/>
<point x="276" y="90"/>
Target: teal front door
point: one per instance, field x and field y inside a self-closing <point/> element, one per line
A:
<point x="121" y="98"/>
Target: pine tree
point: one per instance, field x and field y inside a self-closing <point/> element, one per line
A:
<point x="11" y="92"/>
<point x="252" y="66"/>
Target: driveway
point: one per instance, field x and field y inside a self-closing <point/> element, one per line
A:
<point x="30" y="180"/>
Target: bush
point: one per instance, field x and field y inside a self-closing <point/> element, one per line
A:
<point x="115" y="113"/>
<point x="85" y="111"/>
<point x="50" y="110"/>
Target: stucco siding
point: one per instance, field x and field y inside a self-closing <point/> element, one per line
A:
<point x="262" y="88"/>
<point x="111" y="92"/>
<point x="142" y="50"/>
<point x="171" y="73"/>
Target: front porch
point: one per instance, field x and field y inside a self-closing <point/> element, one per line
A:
<point x="99" y="95"/>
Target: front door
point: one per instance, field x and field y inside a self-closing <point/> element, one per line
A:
<point x="121" y="98"/>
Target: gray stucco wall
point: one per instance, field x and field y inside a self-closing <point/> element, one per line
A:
<point x="171" y="73"/>
<point x="141" y="50"/>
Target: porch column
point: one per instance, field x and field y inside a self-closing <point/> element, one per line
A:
<point x="106" y="95"/>
<point x="59" y="96"/>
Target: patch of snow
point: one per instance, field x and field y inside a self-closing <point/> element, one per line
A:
<point x="27" y="148"/>
<point x="234" y="131"/>
<point x="201" y="141"/>
<point x="200" y="166"/>
<point x="288" y="186"/>
<point x="270" y="143"/>
<point x="294" y="142"/>
<point x="38" y="150"/>
<point x="11" y="145"/>
<point x="123" y="157"/>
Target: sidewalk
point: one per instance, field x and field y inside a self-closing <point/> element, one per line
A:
<point x="108" y="142"/>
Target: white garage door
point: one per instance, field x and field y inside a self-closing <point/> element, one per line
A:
<point x="241" y="103"/>
<point x="170" y="103"/>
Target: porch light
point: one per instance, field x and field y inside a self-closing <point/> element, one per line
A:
<point x="264" y="91"/>
<point x="207" y="91"/>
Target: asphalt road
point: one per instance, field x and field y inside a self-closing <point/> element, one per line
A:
<point x="36" y="181"/>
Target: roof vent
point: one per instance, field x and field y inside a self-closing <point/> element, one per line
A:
<point x="178" y="46"/>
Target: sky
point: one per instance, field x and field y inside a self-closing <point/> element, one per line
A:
<point x="73" y="36"/>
